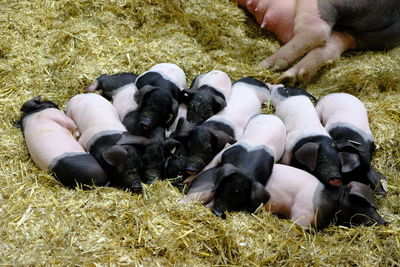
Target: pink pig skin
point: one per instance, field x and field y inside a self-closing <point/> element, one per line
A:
<point x="344" y="109"/>
<point x="48" y="135"/>
<point x="245" y="101"/>
<point x="217" y="79"/>
<point x="300" y="118"/>
<point x="262" y="130"/>
<point x="298" y="24"/>
<point x="292" y="194"/>
<point x="123" y="100"/>
<point x="301" y="197"/>
<point x="93" y="115"/>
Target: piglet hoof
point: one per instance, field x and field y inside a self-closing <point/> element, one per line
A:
<point x="151" y="178"/>
<point x="219" y="213"/>
<point x="136" y="188"/>
<point x="335" y="182"/>
<point x="287" y="79"/>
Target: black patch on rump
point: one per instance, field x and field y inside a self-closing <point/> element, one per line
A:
<point x="82" y="169"/>
<point x="108" y="83"/>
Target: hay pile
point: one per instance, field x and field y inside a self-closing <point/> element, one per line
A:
<point x="56" y="48"/>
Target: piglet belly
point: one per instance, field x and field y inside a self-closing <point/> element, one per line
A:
<point x="48" y="140"/>
<point x="123" y="100"/>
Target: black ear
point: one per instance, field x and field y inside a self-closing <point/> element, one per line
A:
<point x="259" y="196"/>
<point x="349" y="145"/>
<point x="376" y="180"/>
<point x="183" y="128"/>
<point x="223" y="172"/>
<point x="31" y="104"/>
<point x="115" y="155"/>
<point x="220" y="138"/>
<point x="307" y="155"/>
<point x="362" y="191"/>
<point x="128" y="139"/>
<point x="174" y="112"/>
<point x="195" y="83"/>
<point x="349" y="161"/>
<point x="141" y="94"/>
<point x="219" y="103"/>
<point x="171" y="145"/>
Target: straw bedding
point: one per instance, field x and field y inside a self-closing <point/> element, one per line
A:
<point x="56" y="48"/>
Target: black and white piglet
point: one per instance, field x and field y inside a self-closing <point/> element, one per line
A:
<point x="204" y="141"/>
<point x="49" y="136"/>
<point x="308" y="144"/>
<point x="207" y="95"/>
<point x="346" y="119"/>
<point x="120" y="88"/>
<point x="236" y="177"/>
<point x="299" y="196"/>
<point x="159" y="94"/>
<point x="104" y="136"/>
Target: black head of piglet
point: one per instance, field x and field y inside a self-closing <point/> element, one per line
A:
<point x="203" y="143"/>
<point x="34" y="105"/>
<point x="234" y="191"/>
<point x="356" y="206"/>
<point x="156" y="107"/>
<point x="125" y="157"/>
<point x="355" y="159"/>
<point x="204" y="102"/>
<point x="318" y="155"/>
<point x="108" y="83"/>
<point x="176" y="155"/>
<point x="154" y="156"/>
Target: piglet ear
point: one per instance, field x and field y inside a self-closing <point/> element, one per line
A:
<point x="362" y="191"/>
<point x="141" y="94"/>
<point x="31" y="104"/>
<point x="221" y="138"/>
<point x="349" y="161"/>
<point x="174" y="112"/>
<point x="128" y="139"/>
<point x="223" y="172"/>
<point x="376" y="180"/>
<point x="115" y="155"/>
<point x="171" y="144"/>
<point x="219" y="103"/>
<point x="259" y="196"/>
<point x="183" y="128"/>
<point x="307" y="155"/>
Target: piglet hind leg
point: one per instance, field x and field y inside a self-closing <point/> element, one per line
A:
<point x="310" y="31"/>
<point x="306" y="68"/>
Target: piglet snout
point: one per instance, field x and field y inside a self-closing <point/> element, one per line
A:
<point x="335" y="182"/>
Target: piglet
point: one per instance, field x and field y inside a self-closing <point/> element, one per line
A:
<point x="308" y="145"/>
<point x="236" y="177"/>
<point x="104" y="136"/>
<point x="121" y="89"/>
<point x="300" y="196"/>
<point x="345" y="118"/>
<point x="204" y="141"/>
<point x="159" y="94"/>
<point x="207" y="95"/>
<point x="154" y="156"/>
<point x="323" y="29"/>
<point x="49" y="138"/>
